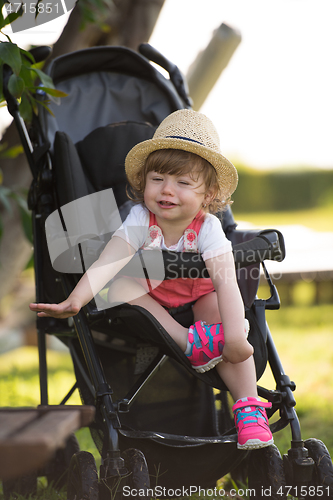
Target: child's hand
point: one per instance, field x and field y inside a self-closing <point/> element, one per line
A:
<point x="66" y="309"/>
<point x="236" y="352"/>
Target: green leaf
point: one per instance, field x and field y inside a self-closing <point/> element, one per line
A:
<point x="12" y="152"/>
<point x="27" y="76"/>
<point x="34" y="104"/>
<point x="45" y="79"/>
<point x="2" y="97"/>
<point x="7" y="36"/>
<point x="4" y="195"/>
<point x="25" y="108"/>
<point x="105" y="28"/>
<point x="11" y="17"/>
<point x="16" y="86"/>
<point x="10" y="54"/>
<point x="29" y="56"/>
<point x="31" y="262"/>
<point x="54" y="92"/>
<point x="46" y="107"/>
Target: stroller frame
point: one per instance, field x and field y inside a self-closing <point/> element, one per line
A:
<point x="299" y="464"/>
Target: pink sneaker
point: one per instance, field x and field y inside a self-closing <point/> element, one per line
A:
<point x="252" y="424"/>
<point x="205" y="345"/>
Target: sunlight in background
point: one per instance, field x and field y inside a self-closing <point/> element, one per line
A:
<point x="273" y="104"/>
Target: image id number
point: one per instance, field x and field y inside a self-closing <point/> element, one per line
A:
<point x="48" y="7"/>
<point x="304" y="491"/>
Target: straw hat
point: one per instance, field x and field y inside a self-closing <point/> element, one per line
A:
<point x="190" y="131"/>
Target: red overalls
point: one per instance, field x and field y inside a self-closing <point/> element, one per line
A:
<point x="179" y="291"/>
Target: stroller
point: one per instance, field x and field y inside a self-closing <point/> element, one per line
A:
<point x="162" y="429"/>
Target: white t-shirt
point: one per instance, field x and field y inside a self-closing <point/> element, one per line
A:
<point x="212" y="241"/>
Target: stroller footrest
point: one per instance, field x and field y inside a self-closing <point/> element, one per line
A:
<point x="177" y="440"/>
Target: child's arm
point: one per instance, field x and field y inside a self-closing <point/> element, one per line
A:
<point x="114" y="257"/>
<point x="222" y="272"/>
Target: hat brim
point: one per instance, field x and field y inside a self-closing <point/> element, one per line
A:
<point x="226" y="172"/>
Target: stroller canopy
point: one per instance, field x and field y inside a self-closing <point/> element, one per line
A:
<point x="104" y="84"/>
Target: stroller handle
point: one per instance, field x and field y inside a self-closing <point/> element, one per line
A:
<point x="40" y="53"/>
<point x="267" y="245"/>
<point x="176" y="77"/>
<point x="154" y="55"/>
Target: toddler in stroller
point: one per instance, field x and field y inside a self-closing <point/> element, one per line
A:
<point x="163" y="422"/>
<point x="179" y="177"/>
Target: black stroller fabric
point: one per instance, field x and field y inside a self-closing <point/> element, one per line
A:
<point x="97" y="161"/>
<point x="107" y="85"/>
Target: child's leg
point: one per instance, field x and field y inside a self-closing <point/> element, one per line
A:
<point x="240" y="378"/>
<point x="127" y="290"/>
<point x="206" y="309"/>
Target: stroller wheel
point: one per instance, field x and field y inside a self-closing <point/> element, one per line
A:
<point x="82" y="477"/>
<point x="137" y="467"/>
<point x="57" y="470"/>
<point x="133" y="482"/>
<point x="23" y="487"/>
<point x="266" y="473"/>
<point x="322" y="480"/>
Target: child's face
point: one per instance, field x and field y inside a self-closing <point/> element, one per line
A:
<point x="175" y="197"/>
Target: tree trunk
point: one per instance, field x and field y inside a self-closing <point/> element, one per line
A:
<point x="131" y="22"/>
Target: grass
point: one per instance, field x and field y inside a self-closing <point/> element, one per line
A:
<point x="303" y="337"/>
<point x="19" y="382"/>
<point x="318" y="219"/>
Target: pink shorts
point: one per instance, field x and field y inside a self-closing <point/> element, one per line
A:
<point x="178" y="292"/>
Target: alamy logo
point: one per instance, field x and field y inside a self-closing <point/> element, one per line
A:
<point x="37" y="12"/>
